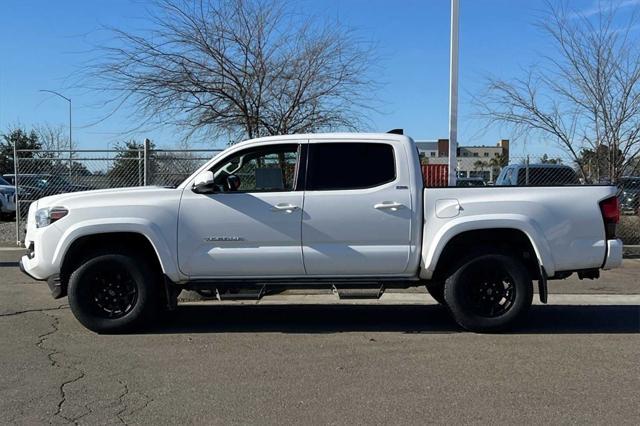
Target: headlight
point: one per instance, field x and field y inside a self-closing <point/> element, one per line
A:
<point x="48" y="215"/>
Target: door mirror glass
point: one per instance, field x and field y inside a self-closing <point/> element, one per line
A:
<point x="204" y="183"/>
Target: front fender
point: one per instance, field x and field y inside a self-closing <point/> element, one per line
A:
<point x="434" y="244"/>
<point x="125" y="224"/>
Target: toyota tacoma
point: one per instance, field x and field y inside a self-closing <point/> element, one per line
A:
<point x="345" y="211"/>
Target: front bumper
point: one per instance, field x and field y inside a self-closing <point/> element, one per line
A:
<point x="614" y="254"/>
<point x="24" y="271"/>
<point x="55" y="286"/>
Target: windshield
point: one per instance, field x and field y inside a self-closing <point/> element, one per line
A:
<point x="4" y="182"/>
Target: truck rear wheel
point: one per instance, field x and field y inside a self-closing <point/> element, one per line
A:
<point x="111" y="293"/>
<point x="489" y="292"/>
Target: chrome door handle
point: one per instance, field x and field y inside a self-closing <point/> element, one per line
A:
<point x="391" y="205"/>
<point x="284" y="207"/>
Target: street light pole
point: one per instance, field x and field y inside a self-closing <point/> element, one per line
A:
<point x="453" y="95"/>
<point x="70" y="140"/>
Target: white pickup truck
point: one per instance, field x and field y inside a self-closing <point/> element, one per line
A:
<point x="347" y="211"/>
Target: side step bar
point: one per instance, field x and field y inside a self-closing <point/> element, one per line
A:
<point x="371" y="291"/>
<point x="240" y="293"/>
<point x="349" y="290"/>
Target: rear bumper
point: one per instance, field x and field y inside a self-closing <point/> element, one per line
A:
<point x="614" y="254"/>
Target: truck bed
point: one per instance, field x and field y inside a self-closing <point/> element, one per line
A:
<point x="563" y="223"/>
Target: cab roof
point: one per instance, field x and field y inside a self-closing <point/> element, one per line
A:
<point x="345" y="136"/>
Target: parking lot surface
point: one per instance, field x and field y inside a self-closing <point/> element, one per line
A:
<point x="576" y="360"/>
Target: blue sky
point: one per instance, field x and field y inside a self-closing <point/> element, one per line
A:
<point x="43" y="43"/>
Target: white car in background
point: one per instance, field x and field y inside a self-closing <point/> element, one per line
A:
<point x="7" y="199"/>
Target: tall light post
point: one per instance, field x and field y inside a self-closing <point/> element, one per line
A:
<point x="70" y="143"/>
<point x="453" y="95"/>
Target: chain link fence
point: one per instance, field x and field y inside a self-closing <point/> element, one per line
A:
<point x="41" y="173"/>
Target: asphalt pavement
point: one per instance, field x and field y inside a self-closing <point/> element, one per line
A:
<point x="401" y="360"/>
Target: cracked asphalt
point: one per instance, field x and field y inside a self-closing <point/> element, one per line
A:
<point x="320" y="364"/>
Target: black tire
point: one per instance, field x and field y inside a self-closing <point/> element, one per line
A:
<point x="436" y="290"/>
<point x="114" y="293"/>
<point x="489" y="292"/>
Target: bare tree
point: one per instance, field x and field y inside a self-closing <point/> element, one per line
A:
<point x="243" y="68"/>
<point x="53" y="137"/>
<point x="585" y="94"/>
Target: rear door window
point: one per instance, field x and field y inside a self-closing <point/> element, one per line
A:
<point x="349" y="165"/>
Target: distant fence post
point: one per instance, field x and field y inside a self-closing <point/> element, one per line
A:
<point x="140" y="167"/>
<point x="17" y="194"/>
<point x="70" y="165"/>
<point x="147" y="144"/>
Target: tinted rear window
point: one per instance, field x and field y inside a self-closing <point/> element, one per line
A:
<point x="349" y="165"/>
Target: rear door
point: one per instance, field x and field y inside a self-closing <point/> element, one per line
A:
<point x="357" y="209"/>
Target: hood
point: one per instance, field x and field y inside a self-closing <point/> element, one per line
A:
<point x="100" y="196"/>
<point x="8" y="187"/>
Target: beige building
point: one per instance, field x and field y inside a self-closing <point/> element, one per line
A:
<point x="473" y="161"/>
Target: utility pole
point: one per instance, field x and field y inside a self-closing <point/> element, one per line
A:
<point x="453" y="95"/>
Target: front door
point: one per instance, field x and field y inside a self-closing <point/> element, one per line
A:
<point x="250" y="226"/>
<point x="357" y="210"/>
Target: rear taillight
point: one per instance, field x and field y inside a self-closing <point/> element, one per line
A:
<point x="610" y="209"/>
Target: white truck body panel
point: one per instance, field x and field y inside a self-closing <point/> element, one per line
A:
<point x="269" y="244"/>
<point x="149" y="211"/>
<point x="329" y="233"/>
<point x="564" y="224"/>
<point x="354" y="232"/>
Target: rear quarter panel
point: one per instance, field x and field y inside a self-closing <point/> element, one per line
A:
<point x="564" y="223"/>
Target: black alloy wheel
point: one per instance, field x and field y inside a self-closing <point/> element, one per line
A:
<point x="489" y="292"/>
<point x="489" y="289"/>
<point x="113" y="291"/>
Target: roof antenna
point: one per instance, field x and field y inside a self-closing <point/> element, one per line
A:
<point x="396" y="132"/>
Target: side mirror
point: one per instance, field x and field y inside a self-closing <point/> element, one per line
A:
<point x="204" y="183"/>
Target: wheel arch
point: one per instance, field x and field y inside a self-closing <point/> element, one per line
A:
<point x="83" y="246"/>
<point x="458" y="241"/>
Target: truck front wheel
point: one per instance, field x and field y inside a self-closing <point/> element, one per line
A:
<point x="112" y="293"/>
<point x="489" y="292"/>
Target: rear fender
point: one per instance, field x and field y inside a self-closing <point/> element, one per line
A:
<point x="433" y="245"/>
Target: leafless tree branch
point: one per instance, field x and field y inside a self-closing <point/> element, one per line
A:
<point x="585" y="94"/>
<point x="246" y="68"/>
